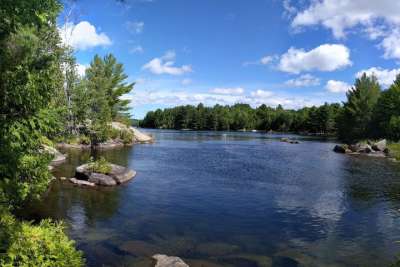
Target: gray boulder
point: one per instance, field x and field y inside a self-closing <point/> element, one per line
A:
<point x="117" y="175"/>
<point x="340" y="148"/>
<point x="380" y="146"/>
<point x="102" y="179"/>
<point x="364" y="148"/>
<point x="167" y="261"/>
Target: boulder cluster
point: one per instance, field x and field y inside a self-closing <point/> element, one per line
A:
<point x="376" y="149"/>
<point x="117" y="175"/>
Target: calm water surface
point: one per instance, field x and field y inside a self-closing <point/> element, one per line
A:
<point x="234" y="199"/>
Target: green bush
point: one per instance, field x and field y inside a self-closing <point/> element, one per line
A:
<point x="127" y="136"/>
<point x="394" y="127"/>
<point x="100" y="166"/>
<point x="394" y="149"/>
<point x="44" y="245"/>
<point x="84" y="140"/>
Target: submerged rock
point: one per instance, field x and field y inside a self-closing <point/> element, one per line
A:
<point x="81" y="182"/>
<point x="168" y="261"/>
<point x="117" y="175"/>
<point x="290" y="141"/>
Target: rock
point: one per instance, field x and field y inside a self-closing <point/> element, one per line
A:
<point x="216" y="249"/>
<point x="141" y="137"/>
<point x="380" y="146"/>
<point x="340" y="148"/>
<point x="101" y="179"/>
<point x="118" y="175"/>
<point x="58" y="157"/>
<point x="139" y="248"/>
<point x="364" y="148"/>
<point x="167" y="261"/>
<point x="290" y="141"/>
<point x="81" y="182"/>
<point x="377" y="154"/>
<point x="121" y="174"/>
<point x="63" y="178"/>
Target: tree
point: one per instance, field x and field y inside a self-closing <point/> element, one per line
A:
<point x="387" y="112"/>
<point x="355" y="119"/>
<point x="116" y="87"/>
<point x="30" y="75"/>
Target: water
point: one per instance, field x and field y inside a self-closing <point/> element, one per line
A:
<point x="233" y="199"/>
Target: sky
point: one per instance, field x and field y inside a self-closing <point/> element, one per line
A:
<point x="293" y="53"/>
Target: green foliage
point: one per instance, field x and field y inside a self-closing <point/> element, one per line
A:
<point x="38" y="245"/>
<point x="242" y="116"/>
<point x="355" y="119"/>
<point x="387" y="112"/>
<point x="394" y="149"/>
<point x="127" y="136"/>
<point x="100" y="166"/>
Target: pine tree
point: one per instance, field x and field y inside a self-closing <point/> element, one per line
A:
<point x="355" y="119"/>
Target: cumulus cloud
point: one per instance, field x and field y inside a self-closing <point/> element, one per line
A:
<point x="81" y="69"/>
<point x="334" y="86"/>
<point x="83" y="36"/>
<point x="135" y="27"/>
<point x="157" y="92"/>
<point x="262" y="61"/>
<point x="378" y="19"/>
<point x="165" y="65"/>
<point x="136" y="50"/>
<point x="385" y="76"/>
<point x="228" y="91"/>
<point x="186" y="82"/>
<point x="303" y="81"/>
<point x="326" y="57"/>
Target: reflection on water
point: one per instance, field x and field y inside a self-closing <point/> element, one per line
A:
<point x="233" y="199"/>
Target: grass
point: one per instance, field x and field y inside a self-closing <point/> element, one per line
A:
<point x="100" y="166"/>
<point x="394" y="149"/>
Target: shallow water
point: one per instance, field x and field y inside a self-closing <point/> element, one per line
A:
<point x="234" y="199"/>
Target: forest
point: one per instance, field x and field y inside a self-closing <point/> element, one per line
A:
<point x="369" y="112"/>
<point x="44" y="101"/>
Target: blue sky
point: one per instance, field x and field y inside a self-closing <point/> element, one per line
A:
<point x="294" y="53"/>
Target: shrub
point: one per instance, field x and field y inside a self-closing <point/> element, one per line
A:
<point x="100" y="166"/>
<point x="43" y="245"/>
<point x="394" y="149"/>
<point x="84" y="140"/>
<point x="127" y="136"/>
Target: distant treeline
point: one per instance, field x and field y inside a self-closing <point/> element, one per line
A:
<point x="243" y="117"/>
<point x="368" y="112"/>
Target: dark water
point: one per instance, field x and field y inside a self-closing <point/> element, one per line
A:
<point x="234" y="199"/>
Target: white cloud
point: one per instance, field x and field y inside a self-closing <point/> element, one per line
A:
<point x="339" y="15"/>
<point x="337" y="86"/>
<point x="186" y="82"/>
<point x="261" y="93"/>
<point x="377" y="19"/>
<point x="165" y="65"/>
<point x="391" y="45"/>
<point x="385" y="77"/>
<point x="81" y="69"/>
<point x="135" y="27"/>
<point x="83" y="36"/>
<point x="326" y="57"/>
<point x="303" y="81"/>
<point x="137" y="50"/>
<point x="228" y="91"/>
<point x="262" y="61"/>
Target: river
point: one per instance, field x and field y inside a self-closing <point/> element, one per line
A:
<point x="233" y="199"/>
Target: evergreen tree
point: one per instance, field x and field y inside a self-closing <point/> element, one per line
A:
<point x="355" y="119"/>
<point x="387" y="112"/>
